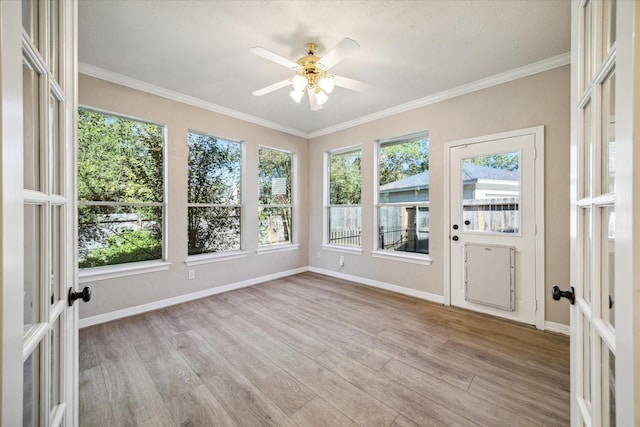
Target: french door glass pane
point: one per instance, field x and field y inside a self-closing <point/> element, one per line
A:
<point x="493" y="207"/>
<point x="608" y="264"/>
<point x="30" y="19"/>
<point x="586" y="361"/>
<point x="54" y="40"/>
<point x="32" y="263"/>
<point x="609" y="24"/>
<point x="30" y="390"/>
<point x="56" y="248"/>
<point x="32" y="149"/>
<point x="587" y="281"/>
<point x="608" y="133"/>
<point x="608" y="387"/>
<point x="54" y="382"/>
<point x="55" y="147"/>
<point x="586" y="150"/>
<point x="587" y="51"/>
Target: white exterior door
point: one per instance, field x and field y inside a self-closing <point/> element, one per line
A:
<point x="604" y="318"/>
<point x="37" y="122"/>
<point x="495" y="210"/>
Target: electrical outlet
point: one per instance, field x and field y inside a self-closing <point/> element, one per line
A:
<point x="192" y="274"/>
<point x="341" y="260"/>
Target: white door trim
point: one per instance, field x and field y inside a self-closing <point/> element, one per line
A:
<point x="538" y="132"/>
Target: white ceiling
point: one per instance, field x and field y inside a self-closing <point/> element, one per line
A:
<point x="409" y="50"/>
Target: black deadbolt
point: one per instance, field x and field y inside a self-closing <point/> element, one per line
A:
<point x="455" y="238"/>
<point x="455" y="226"/>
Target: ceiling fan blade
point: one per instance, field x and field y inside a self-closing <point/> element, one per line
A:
<point x="271" y="88"/>
<point x="274" y="57"/>
<point x="340" y="51"/>
<point x="351" y="84"/>
<point x="313" y="101"/>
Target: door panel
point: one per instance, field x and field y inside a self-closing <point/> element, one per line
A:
<point x="492" y="203"/>
<point x="38" y="56"/>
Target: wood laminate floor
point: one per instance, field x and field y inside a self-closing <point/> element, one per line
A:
<point x="311" y="350"/>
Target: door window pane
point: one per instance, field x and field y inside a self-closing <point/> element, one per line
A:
<point x="586" y="362"/>
<point x="55" y="147"/>
<point x="609" y="25"/>
<point x="586" y="151"/>
<point x="609" y="134"/>
<point x="55" y="255"/>
<point x="30" y="390"/>
<point x="54" y="39"/>
<point x="608" y="387"/>
<point x="608" y="264"/>
<point x="587" y="281"/>
<point x="30" y="15"/>
<point x="32" y="264"/>
<point x="54" y="350"/>
<point x="32" y="148"/>
<point x="491" y="193"/>
<point x="587" y="48"/>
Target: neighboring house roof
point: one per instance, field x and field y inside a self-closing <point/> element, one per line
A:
<point x="472" y="173"/>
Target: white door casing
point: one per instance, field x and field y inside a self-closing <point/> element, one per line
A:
<point x="38" y="75"/>
<point x="527" y="145"/>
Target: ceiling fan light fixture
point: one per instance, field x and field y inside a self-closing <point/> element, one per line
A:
<point x="296" y="95"/>
<point x="327" y="83"/>
<point x="321" y="97"/>
<point x="299" y="82"/>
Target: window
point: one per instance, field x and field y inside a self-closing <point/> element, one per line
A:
<point x="403" y="194"/>
<point x="214" y="194"/>
<point x="274" y="205"/>
<point x="344" y="210"/>
<point x="120" y="190"/>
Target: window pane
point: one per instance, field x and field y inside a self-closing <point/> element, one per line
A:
<point x="57" y="219"/>
<point x="32" y="147"/>
<point x="404" y="228"/>
<point x="345" y="227"/>
<point x="609" y="134"/>
<point x="32" y="264"/>
<point x="586" y="254"/>
<point x="403" y="169"/>
<point x="119" y="159"/>
<point x="585" y="147"/>
<point x="491" y="193"/>
<point x="214" y="170"/>
<point x="213" y="229"/>
<point x="118" y="234"/>
<point x="275" y="225"/>
<point x="274" y="177"/>
<point x="30" y="390"/>
<point x="344" y="181"/>
<point x="55" y="147"/>
<point x="30" y="17"/>
<point x="608" y="264"/>
<point x="587" y="55"/>
<point x="54" y="38"/>
<point x="608" y="387"/>
<point x="54" y="357"/>
<point x="586" y="362"/>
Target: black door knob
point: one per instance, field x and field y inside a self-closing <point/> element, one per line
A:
<point x="455" y="238"/>
<point x="85" y="295"/>
<point x="569" y="294"/>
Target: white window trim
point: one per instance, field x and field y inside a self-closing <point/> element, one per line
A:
<point x="131" y="268"/>
<point x="327" y="206"/>
<point x="105" y="272"/>
<point x="212" y="257"/>
<point x="376" y="252"/>
<point x="277" y="247"/>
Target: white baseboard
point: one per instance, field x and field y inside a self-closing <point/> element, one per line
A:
<point x="559" y="328"/>
<point x="381" y="285"/>
<point x="138" y="309"/>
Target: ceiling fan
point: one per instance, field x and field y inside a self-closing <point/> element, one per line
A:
<point x="312" y="73"/>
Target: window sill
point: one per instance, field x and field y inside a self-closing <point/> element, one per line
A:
<point x="345" y="249"/>
<point x="209" y="258"/>
<point x="403" y="257"/>
<point x="121" y="270"/>
<point x="278" y="247"/>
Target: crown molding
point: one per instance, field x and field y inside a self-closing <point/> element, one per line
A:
<point x="132" y="83"/>
<point x="517" y="73"/>
<point x="507" y="76"/>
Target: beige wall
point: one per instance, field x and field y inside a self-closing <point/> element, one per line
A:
<point x="179" y="118"/>
<point x="541" y="99"/>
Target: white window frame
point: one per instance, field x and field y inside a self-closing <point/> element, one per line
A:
<point x="327" y="198"/>
<point x="292" y="243"/>
<point x="91" y="274"/>
<point x="377" y="252"/>
<point x="211" y="257"/>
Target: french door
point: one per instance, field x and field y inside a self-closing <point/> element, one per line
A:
<point x="603" y="340"/>
<point x="39" y="332"/>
